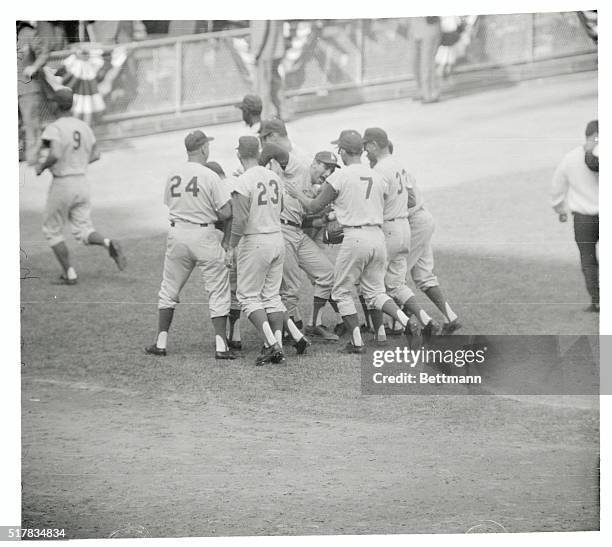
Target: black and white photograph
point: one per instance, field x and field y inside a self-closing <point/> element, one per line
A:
<point x="300" y="276"/>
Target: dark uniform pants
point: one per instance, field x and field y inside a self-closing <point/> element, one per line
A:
<point x="586" y="234"/>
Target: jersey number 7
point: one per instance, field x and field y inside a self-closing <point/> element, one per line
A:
<point x="370" y="181"/>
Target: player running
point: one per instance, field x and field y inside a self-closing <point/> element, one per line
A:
<point x="196" y="199"/>
<point x="68" y="147"/>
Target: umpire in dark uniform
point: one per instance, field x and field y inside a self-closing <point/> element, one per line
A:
<point x="575" y="189"/>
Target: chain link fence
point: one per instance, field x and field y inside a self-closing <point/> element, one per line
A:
<point x="172" y="75"/>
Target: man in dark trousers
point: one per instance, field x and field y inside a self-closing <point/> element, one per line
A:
<point x="575" y="189"/>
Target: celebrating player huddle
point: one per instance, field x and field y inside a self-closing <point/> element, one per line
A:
<point x="259" y="225"/>
<point x="253" y="234"/>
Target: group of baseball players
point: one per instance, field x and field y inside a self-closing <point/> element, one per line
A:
<point x="253" y="233"/>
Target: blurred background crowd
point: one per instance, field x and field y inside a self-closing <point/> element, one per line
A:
<point x="131" y="70"/>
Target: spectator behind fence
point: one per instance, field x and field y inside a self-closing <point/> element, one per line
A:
<point x="268" y="49"/>
<point x="426" y="37"/>
<point x="32" y="54"/>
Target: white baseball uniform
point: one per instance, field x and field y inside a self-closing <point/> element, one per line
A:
<point x="68" y="198"/>
<point x="362" y="256"/>
<point x="193" y="195"/>
<point x="396" y="227"/>
<point x="301" y="252"/>
<point x="261" y="250"/>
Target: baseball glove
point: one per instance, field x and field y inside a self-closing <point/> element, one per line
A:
<point x="334" y="234"/>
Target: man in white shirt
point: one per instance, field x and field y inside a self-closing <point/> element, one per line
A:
<point x="575" y="188"/>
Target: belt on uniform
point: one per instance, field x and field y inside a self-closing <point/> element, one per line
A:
<point x="364" y="226"/>
<point x="172" y="223"/>
<point x="290" y="223"/>
<point x="396" y="218"/>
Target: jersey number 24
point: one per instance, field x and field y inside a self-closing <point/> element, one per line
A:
<point x="192" y="187"/>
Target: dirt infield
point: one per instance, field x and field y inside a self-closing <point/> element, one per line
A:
<point x="113" y="440"/>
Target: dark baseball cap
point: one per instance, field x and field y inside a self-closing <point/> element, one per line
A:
<point x="272" y="125"/>
<point x="248" y="147"/>
<point x="592" y="128"/>
<point x="63" y="98"/>
<point x="195" y="140"/>
<point x="328" y="158"/>
<point x="377" y="135"/>
<point x="214" y="166"/>
<point x="273" y="151"/>
<point x="350" y="140"/>
<point x="250" y="103"/>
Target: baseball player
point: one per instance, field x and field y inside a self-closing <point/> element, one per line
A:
<point x="359" y="195"/>
<point x="396" y="227"/>
<point x="196" y="199"/>
<point x="251" y="107"/>
<point x="301" y="253"/>
<point x="234" y="339"/>
<point x="257" y="247"/>
<point x="420" y="263"/>
<point x="68" y="146"/>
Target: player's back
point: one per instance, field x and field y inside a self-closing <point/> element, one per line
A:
<point x="399" y="184"/>
<point x="194" y="194"/>
<point x="361" y="195"/>
<point x="74" y="141"/>
<point x="265" y="190"/>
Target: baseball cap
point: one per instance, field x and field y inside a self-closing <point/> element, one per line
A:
<point x="273" y="151"/>
<point x="377" y="135"/>
<point x="250" y="103"/>
<point x="592" y="128"/>
<point x="195" y="140"/>
<point x="248" y="147"/>
<point x="350" y="140"/>
<point x="328" y="158"/>
<point x="214" y="166"/>
<point x="64" y="97"/>
<point x="272" y="125"/>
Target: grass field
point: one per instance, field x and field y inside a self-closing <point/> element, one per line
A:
<point x="186" y="446"/>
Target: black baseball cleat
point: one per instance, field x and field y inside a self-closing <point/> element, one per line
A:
<point x="63" y="280"/>
<point x="413" y="333"/>
<point x="301" y="345"/>
<point x="234" y="344"/>
<point x="115" y="252"/>
<point x="272" y="354"/>
<point x="431" y="329"/>
<point x="154" y="350"/>
<point x="225" y="355"/>
<point x="451" y="326"/>
<point x="352" y="348"/>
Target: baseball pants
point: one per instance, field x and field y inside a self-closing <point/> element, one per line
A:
<point x="67" y="201"/>
<point x="586" y="235"/>
<point x="188" y="246"/>
<point x="361" y="260"/>
<point x="302" y="253"/>
<point x="397" y="238"/>
<point x="233" y="280"/>
<point x="30" y="108"/>
<point x="260" y="272"/>
<point x="420" y="262"/>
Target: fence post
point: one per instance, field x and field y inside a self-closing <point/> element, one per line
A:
<point x="178" y="86"/>
<point x="361" y="45"/>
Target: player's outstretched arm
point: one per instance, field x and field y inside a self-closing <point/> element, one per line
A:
<point x="314" y="205"/>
